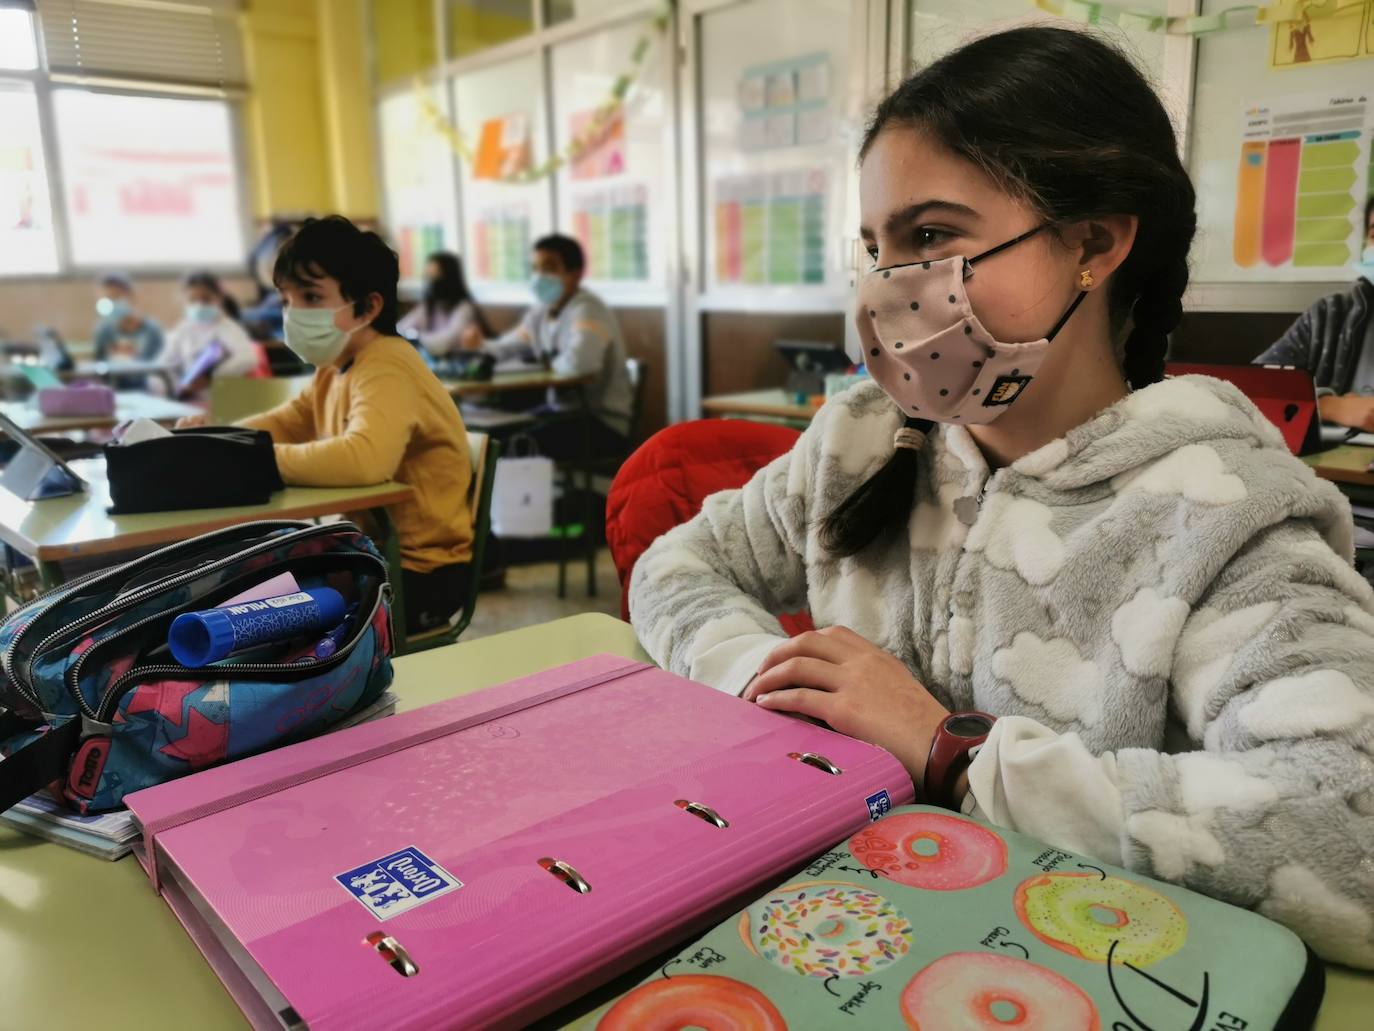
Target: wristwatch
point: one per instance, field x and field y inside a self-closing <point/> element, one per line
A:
<point x="958" y="734"/>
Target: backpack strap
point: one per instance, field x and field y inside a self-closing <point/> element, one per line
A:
<point x="38" y="763"/>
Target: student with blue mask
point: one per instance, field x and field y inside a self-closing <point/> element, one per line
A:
<point x="208" y="332"/>
<point x="123" y="331"/>
<point x="1334" y="340"/>
<point x="571" y="330"/>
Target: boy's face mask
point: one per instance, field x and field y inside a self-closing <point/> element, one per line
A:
<point x="312" y="335"/>
<point x="926" y="348"/>
<point x="115" y="309"/>
<point x="546" y="287"/>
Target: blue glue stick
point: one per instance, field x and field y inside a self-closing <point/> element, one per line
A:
<point x="200" y="638"/>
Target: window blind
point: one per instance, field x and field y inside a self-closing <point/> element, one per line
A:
<point x="145" y="41"/>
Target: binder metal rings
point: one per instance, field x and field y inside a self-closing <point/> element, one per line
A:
<point x="391" y="950"/>
<point x="705" y="812"/>
<point x="566" y="874"/>
<point x="819" y="761"/>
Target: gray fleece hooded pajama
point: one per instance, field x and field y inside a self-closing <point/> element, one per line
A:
<point x="1160" y="607"/>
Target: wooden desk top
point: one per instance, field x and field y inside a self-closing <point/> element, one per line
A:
<point x="1348" y="463"/>
<point x="80" y="525"/>
<point x="129" y="404"/>
<point x="776" y="404"/>
<point x="503" y="382"/>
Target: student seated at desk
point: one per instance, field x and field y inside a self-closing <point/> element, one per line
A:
<point x="1334" y="340"/>
<point x="1153" y="599"/>
<point x="374" y="411"/>
<point x="123" y="332"/>
<point x="446" y="311"/>
<point x="208" y="329"/>
<point x="574" y="333"/>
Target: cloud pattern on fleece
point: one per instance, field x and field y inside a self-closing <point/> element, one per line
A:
<point x="1165" y="583"/>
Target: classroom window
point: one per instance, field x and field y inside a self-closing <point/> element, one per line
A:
<point x="27" y="241"/>
<point x="148" y="180"/>
<point x="18" y="49"/>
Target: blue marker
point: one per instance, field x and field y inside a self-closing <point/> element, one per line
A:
<point x="200" y="638"/>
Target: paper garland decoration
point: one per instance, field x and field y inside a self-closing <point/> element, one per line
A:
<point x="602" y="121"/>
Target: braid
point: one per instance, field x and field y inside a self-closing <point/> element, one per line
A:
<point x="1152" y="281"/>
<point x="879" y="503"/>
<point x="1156" y="313"/>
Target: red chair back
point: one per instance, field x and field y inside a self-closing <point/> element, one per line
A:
<point x="664" y="483"/>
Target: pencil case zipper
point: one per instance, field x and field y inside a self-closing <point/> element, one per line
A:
<point x="110" y="699"/>
<point x="23" y="684"/>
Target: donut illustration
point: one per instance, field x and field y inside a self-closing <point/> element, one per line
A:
<point x="981" y="991"/>
<point x="1083" y="914"/>
<point x="931" y="851"/>
<point x="826" y="929"/>
<point x="694" y="1000"/>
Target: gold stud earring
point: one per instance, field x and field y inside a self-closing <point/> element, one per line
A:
<point x="1086" y="280"/>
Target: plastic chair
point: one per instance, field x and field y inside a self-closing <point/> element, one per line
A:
<point x="484" y="452"/>
<point x="637" y="372"/>
<point x="236" y="397"/>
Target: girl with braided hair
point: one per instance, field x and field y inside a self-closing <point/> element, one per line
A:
<point x="1075" y="600"/>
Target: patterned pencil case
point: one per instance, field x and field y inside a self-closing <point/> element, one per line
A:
<point x="931" y="920"/>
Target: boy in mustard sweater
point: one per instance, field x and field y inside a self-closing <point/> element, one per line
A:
<point x="374" y="411"/>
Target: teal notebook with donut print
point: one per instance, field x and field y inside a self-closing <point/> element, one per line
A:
<point x="931" y="920"/>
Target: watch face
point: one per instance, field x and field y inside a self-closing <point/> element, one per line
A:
<point x="967" y="726"/>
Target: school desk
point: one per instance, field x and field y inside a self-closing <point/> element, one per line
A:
<point x="129" y="404"/>
<point x="767" y="404"/>
<point x="1348" y="467"/>
<point x="124" y="368"/>
<point x="86" y="943"/>
<point x="78" y="527"/>
<point x="505" y="382"/>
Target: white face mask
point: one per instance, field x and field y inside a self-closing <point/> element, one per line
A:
<point x="312" y="335"/>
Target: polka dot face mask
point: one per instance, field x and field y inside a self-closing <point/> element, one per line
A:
<point x="926" y="348"/>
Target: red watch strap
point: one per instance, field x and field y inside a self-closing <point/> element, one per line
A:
<point x="949" y="757"/>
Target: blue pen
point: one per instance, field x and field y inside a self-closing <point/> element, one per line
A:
<point x="330" y="642"/>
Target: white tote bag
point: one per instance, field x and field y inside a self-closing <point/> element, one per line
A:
<point x="522" y="496"/>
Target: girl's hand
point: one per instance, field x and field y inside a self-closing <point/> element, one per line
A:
<point x="857" y="688"/>
<point x="190" y="422"/>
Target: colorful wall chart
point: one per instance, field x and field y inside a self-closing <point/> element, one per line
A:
<point x="770" y="228"/>
<point x="415" y="243"/>
<point x="785" y="103"/>
<point x="501" y="239"/>
<point x="1322" y="31"/>
<point x="612" y="224"/>
<point x="1303" y="178"/>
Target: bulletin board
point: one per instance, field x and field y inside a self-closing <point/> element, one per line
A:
<point x="501" y="110"/>
<point x="418" y="183"/>
<point x="777" y="153"/>
<point x="613" y="195"/>
<point x="1280" y="152"/>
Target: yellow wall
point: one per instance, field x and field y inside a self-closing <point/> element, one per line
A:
<point x="471" y="26"/>
<point x="403" y="38"/>
<point x="309" y="110"/>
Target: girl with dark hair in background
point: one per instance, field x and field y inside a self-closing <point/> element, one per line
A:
<point x="447" y="311"/>
<point x="208" y="341"/>
<point x="1109" y="611"/>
